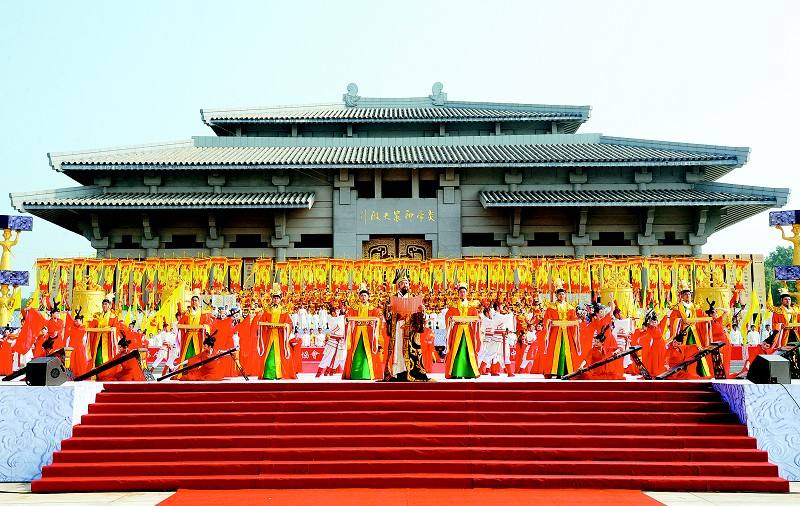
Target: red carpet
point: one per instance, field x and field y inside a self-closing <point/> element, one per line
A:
<point x="261" y="435"/>
<point x="410" y="497"/>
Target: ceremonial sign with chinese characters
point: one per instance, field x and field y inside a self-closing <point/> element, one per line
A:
<point x="382" y="216"/>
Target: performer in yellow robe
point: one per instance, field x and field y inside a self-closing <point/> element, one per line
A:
<point x="102" y="345"/>
<point x="680" y="321"/>
<point x="784" y="319"/>
<point x="363" y="355"/>
<point x="274" y="340"/>
<point x="563" y="346"/>
<point x="463" y="338"/>
<point x="192" y="339"/>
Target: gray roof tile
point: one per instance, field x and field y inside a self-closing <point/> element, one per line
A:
<point x="175" y="201"/>
<point x="569" y="198"/>
<point x="545" y="154"/>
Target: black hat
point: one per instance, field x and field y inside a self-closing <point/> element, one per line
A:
<point x="54" y="310"/>
<point x="105" y="300"/>
<point x="679" y="338"/>
<point x="601" y="336"/>
<point x="710" y="309"/>
<point x="770" y="340"/>
<point x="209" y="341"/>
<point x="48" y="343"/>
<point x="124" y="341"/>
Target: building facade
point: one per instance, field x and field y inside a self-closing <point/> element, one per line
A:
<point x="421" y="177"/>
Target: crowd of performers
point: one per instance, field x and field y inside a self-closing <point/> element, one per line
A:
<point x="389" y="340"/>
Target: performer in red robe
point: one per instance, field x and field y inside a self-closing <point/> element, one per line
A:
<point x="32" y="323"/>
<point x="216" y="370"/>
<point x="55" y="327"/>
<point x="650" y="338"/>
<point x="677" y="353"/>
<point x="541" y="350"/>
<point x="75" y="333"/>
<point x="274" y="340"/>
<point x="6" y="351"/>
<point x="603" y="346"/>
<point x="222" y="330"/>
<point x="247" y="331"/>
<point x="130" y="370"/>
<point x="718" y="334"/>
<point x="43" y="345"/>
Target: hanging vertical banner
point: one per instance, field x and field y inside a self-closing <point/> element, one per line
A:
<point x="574" y="267"/>
<point x="186" y="272"/>
<point x="495" y="277"/>
<point x="109" y="270"/>
<point x="413" y="274"/>
<point x="44" y="268"/>
<point x="262" y="275"/>
<point x="235" y="274"/>
<point x="172" y="273"/>
<point x="94" y="269"/>
<point x="79" y="280"/>
<point x="201" y="274"/>
<point x="218" y="278"/>
<point x="282" y="275"/>
<point x="438" y="274"/>
<point x="137" y="283"/>
<point x="357" y="272"/>
<point x="64" y="274"/>
<point x="560" y="272"/>
<point x="321" y="269"/>
<point x="523" y="269"/>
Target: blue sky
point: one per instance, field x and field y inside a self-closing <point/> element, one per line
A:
<point x="79" y="75"/>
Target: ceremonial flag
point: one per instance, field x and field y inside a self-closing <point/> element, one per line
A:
<point x="751" y="310"/>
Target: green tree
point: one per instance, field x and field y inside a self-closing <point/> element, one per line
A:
<point x="782" y="255"/>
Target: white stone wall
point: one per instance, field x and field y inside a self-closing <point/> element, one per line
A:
<point x="34" y="421"/>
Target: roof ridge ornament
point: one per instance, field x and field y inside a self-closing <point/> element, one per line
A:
<point x="351" y="98"/>
<point x="437" y="96"/>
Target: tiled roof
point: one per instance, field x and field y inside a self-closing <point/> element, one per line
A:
<point x="621" y="198"/>
<point x="292" y="200"/>
<point x="339" y="113"/>
<point x="540" y="150"/>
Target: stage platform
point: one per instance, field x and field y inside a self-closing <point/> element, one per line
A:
<point x="325" y="432"/>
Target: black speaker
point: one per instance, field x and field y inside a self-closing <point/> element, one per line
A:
<point x="769" y="369"/>
<point x="45" y="371"/>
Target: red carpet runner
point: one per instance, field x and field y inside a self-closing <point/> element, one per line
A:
<point x="411" y="497"/>
<point x="611" y="435"/>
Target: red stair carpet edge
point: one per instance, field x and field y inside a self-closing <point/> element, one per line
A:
<point x="410" y="497"/>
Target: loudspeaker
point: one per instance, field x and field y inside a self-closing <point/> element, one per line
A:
<point x="45" y="371"/>
<point x="769" y="369"/>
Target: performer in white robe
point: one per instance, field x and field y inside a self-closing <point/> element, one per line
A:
<point x="500" y="338"/>
<point x="335" y="352"/>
